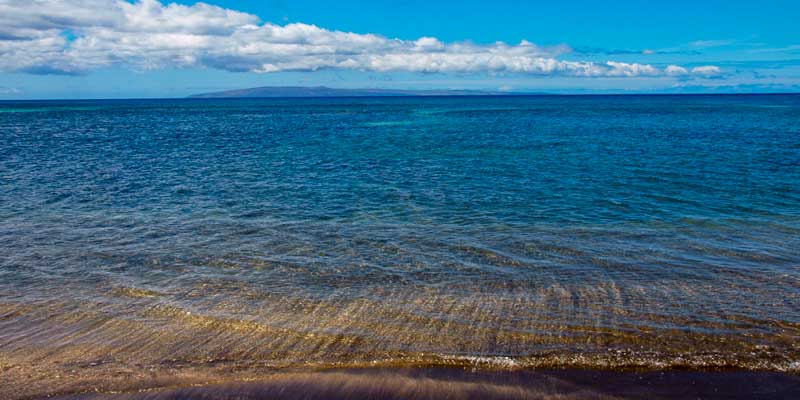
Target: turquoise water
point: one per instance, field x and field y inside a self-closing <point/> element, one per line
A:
<point x="510" y="232"/>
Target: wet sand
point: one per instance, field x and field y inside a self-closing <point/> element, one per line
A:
<point x="455" y="383"/>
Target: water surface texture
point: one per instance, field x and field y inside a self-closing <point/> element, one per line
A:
<point x="215" y="238"/>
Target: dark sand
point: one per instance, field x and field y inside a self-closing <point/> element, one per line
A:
<point x="453" y="383"/>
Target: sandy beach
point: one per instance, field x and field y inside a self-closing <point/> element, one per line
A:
<point x="450" y="383"/>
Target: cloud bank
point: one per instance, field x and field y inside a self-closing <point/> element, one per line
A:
<point x="78" y="36"/>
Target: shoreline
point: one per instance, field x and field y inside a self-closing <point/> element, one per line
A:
<point x="460" y="383"/>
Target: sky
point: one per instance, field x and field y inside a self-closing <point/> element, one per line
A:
<point x="148" y="48"/>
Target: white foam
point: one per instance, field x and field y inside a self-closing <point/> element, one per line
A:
<point x="497" y="361"/>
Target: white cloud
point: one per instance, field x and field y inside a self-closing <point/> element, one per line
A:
<point x="77" y="36"/>
<point x="703" y="44"/>
<point x="707" y="71"/>
<point x="675" y="70"/>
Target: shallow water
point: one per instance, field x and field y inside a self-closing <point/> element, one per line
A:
<point x="227" y="237"/>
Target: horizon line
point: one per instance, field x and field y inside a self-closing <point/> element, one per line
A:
<point x="491" y="95"/>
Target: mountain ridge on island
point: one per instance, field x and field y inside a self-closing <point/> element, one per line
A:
<point x="323" y="91"/>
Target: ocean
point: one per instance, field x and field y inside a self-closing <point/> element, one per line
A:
<point x="199" y="240"/>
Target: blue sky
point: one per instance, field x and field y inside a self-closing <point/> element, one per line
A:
<point x="113" y="49"/>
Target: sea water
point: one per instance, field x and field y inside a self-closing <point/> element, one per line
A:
<point x="175" y="236"/>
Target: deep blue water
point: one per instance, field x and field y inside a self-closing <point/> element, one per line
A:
<point x="603" y="230"/>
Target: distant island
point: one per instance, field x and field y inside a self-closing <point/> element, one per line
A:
<point x="322" y="91"/>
